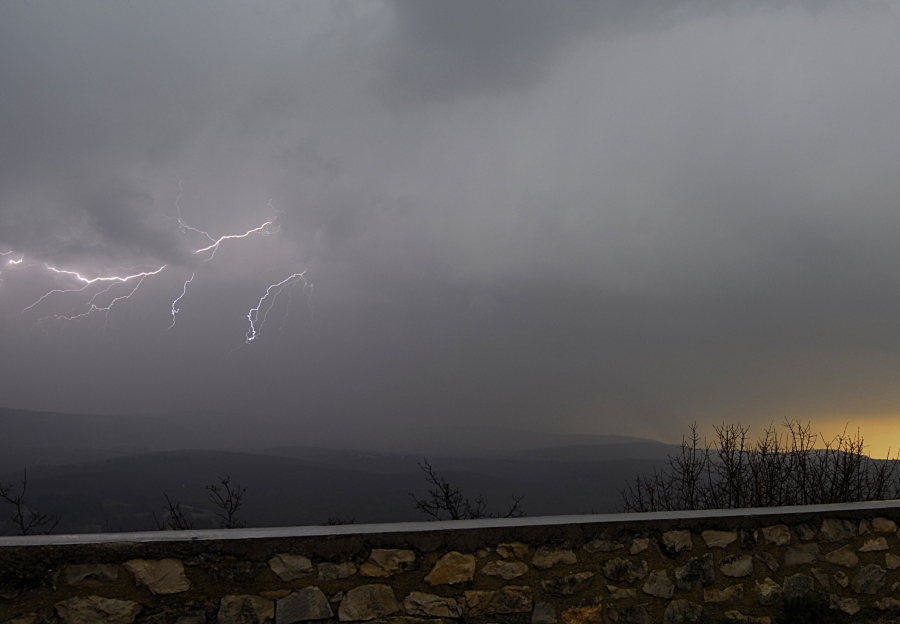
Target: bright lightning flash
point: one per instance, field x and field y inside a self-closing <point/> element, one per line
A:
<point x="256" y="316"/>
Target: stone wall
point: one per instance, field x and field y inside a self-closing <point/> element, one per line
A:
<point x="637" y="568"/>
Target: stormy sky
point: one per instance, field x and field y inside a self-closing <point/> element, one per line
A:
<point x="599" y="217"/>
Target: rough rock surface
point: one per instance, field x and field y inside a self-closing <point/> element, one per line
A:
<point x="737" y="566"/>
<point x="729" y="594"/>
<point x="777" y="535"/>
<point x="802" y="554"/>
<point x="843" y="556"/>
<point x="718" y="539"/>
<point x="682" y="611"/>
<point x="334" y="571"/>
<point x="165" y="576"/>
<point x="452" y="568"/>
<point x="96" y="610"/>
<point x="835" y="530"/>
<point x="602" y="545"/>
<point x="659" y="585"/>
<point x="768" y="592"/>
<point x="850" y="606"/>
<point x="639" y="545"/>
<point x="290" y="567"/>
<point x="676" y="541"/>
<point x="505" y="569"/>
<point x="91" y="573"/>
<point x="874" y="545"/>
<point x="888" y="604"/>
<point x="891" y="562"/>
<point x="245" y="610"/>
<point x="368" y="602"/>
<point x="768" y="560"/>
<point x="869" y="580"/>
<point x="883" y="525"/>
<point x="567" y="585"/>
<point x="636" y="614"/>
<point x="624" y="570"/>
<point x="546" y="558"/>
<point x="620" y="593"/>
<point x="697" y="570"/>
<point x="302" y="606"/>
<point x="512" y="550"/>
<point x="797" y="586"/>
<point x="588" y="614"/>
<point x="510" y="599"/>
<point x="385" y="562"/>
<point x="430" y="605"/>
<point x="544" y="613"/>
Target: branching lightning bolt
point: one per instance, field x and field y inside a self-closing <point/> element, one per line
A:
<point x="177" y="299"/>
<point x="105" y="285"/>
<point x="253" y="316"/>
<point x="89" y="281"/>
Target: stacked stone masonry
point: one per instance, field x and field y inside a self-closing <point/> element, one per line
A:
<point x="638" y="572"/>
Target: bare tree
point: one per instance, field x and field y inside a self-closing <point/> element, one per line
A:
<point x="173" y="518"/>
<point x="447" y="502"/>
<point x="29" y="521"/>
<point x="777" y="470"/>
<point x="228" y="500"/>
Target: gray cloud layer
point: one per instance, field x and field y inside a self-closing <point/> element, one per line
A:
<point x="609" y="217"/>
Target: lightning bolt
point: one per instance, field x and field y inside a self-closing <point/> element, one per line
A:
<point x="89" y="281"/>
<point x="253" y="316"/>
<point x="262" y="229"/>
<point x="177" y="299"/>
<point x="102" y="287"/>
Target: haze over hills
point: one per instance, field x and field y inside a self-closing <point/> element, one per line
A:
<point x="103" y="473"/>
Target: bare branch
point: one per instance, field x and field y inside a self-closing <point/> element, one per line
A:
<point x="29" y="521"/>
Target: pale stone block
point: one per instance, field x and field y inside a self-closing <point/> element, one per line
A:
<point x="617" y="593"/>
<point x="165" y="576"/>
<point x="334" y="571"/>
<point x="843" y="556"/>
<point x="512" y="550"/>
<point x="835" y="530"/>
<point x="869" y="580"/>
<point x="430" y="605"/>
<point x="891" y="562"/>
<point x="659" y="585"/>
<point x="385" y="562"/>
<point x="737" y="566"/>
<point x="850" y="606"/>
<point x="452" y="568"/>
<point x="676" y="541"/>
<point x="639" y="545"/>
<point x="768" y="592"/>
<point x="884" y="525"/>
<point x="368" y="602"/>
<point x="777" y="535"/>
<point x="729" y="594"/>
<point x="243" y="609"/>
<point x="802" y="554"/>
<point x="302" y="606"/>
<point x="718" y="539"/>
<point x="290" y="567"/>
<point x="505" y="569"/>
<point x="546" y="558"/>
<point x="510" y="599"/>
<point x="874" y="545"/>
<point x="96" y="610"/>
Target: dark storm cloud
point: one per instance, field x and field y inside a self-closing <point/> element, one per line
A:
<point x="560" y="215"/>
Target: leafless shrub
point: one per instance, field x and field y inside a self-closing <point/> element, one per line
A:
<point x="173" y="518"/>
<point x="336" y="521"/>
<point x="28" y="521"/>
<point x="228" y="500"/>
<point x="777" y="470"/>
<point x="447" y="502"/>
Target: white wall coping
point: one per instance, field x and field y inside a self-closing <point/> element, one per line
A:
<point x="418" y="527"/>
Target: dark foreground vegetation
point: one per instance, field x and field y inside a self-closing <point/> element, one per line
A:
<point x="778" y="469"/>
